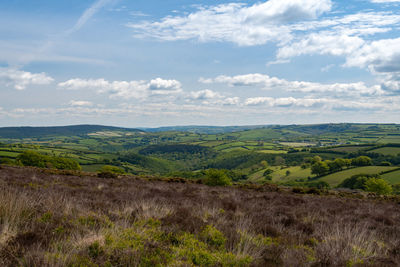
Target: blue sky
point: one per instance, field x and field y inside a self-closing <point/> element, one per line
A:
<point x="173" y="62"/>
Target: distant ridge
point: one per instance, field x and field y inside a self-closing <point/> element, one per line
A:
<point x="78" y="130"/>
<point x="72" y="130"/>
<point x="204" y="129"/>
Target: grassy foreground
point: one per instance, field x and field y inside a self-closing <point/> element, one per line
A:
<point x="48" y="219"/>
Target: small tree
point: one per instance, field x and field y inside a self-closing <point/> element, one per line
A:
<point x="268" y="174"/>
<point x="361" y="161"/>
<point x="216" y="177"/>
<point x="320" y="168"/>
<point x="379" y="186"/>
<point x="108" y="171"/>
<point x="357" y="181"/>
<point x="316" y="159"/>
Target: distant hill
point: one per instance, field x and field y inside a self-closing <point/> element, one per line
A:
<point x="308" y="129"/>
<point x="73" y="130"/>
<point x="204" y="129"/>
<point x="295" y="130"/>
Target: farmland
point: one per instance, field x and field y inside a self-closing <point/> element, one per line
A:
<point x="392" y="177"/>
<point x="187" y="151"/>
<point x="338" y="177"/>
<point x="199" y="196"/>
<point x="394" y="151"/>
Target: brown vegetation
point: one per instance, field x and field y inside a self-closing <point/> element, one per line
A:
<point x="49" y="219"/>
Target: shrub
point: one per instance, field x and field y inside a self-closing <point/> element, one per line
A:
<point x="108" y="171"/>
<point x="320" y="168"/>
<point x="361" y="161"/>
<point x="213" y="237"/>
<point x="357" y="181"/>
<point x="35" y="159"/>
<point x="379" y="186"/>
<point x="216" y="177"/>
<point x="396" y="189"/>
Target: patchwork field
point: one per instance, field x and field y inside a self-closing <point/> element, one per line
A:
<point x="393" y="151"/>
<point x="392" y="177"/>
<point x="336" y="178"/>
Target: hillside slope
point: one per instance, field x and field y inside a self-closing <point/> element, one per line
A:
<point x="73" y="130"/>
<point x="48" y="219"/>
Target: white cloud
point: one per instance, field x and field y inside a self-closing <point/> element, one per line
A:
<point x="209" y="97"/>
<point x="205" y="94"/>
<point x="237" y="23"/>
<point x="292" y="105"/>
<point x="379" y="56"/>
<point x="88" y="14"/>
<point x="385" y="1"/>
<point x="273" y="83"/>
<point x="80" y="103"/>
<point x="322" y="44"/>
<point x="160" y="86"/>
<point x="282" y="102"/>
<point x="230" y="101"/>
<point x="21" y="79"/>
<point x="125" y="89"/>
<point x="338" y="36"/>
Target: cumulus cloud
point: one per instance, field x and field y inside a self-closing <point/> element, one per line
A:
<point x="322" y="44"/>
<point x="292" y="104"/>
<point x="282" y="102"/>
<point x="125" y="89"/>
<point x="379" y="56"/>
<point x="205" y="94"/>
<point x="80" y="103"/>
<point x="273" y="83"/>
<point x="209" y="97"/>
<point x="160" y="86"/>
<point x="21" y="79"/>
<point x="338" y="36"/>
<point x="237" y="23"/>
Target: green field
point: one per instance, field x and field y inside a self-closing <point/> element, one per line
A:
<point x="392" y="177"/>
<point x="390" y="139"/>
<point x="393" y="151"/>
<point x="8" y="154"/>
<point x="243" y="150"/>
<point x="271" y="151"/>
<point x="348" y="149"/>
<point x="296" y="172"/>
<point x="279" y="175"/>
<point x="336" y="178"/>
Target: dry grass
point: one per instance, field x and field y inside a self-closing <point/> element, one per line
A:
<point x="55" y="220"/>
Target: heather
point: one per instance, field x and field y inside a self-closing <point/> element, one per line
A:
<point x="67" y="218"/>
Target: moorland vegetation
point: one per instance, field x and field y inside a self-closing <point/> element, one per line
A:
<point x="48" y="218"/>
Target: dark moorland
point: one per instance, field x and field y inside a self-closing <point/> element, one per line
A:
<point x="79" y="219"/>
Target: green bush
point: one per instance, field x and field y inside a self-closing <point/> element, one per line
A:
<point x="35" y="159"/>
<point x="213" y="237"/>
<point x="357" y="181"/>
<point x="320" y="168"/>
<point x="379" y="186"/>
<point x="216" y="177"/>
<point x="396" y="189"/>
<point x="361" y="161"/>
<point x="108" y="171"/>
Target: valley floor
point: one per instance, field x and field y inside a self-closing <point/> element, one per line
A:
<point x="49" y="219"/>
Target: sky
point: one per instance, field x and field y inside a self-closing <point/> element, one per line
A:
<point x="148" y="63"/>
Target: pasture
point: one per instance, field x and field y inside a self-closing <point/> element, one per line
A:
<point x="387" y="151"/>
<point x="335" y="179"/>
<point x="392" y="177"/>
